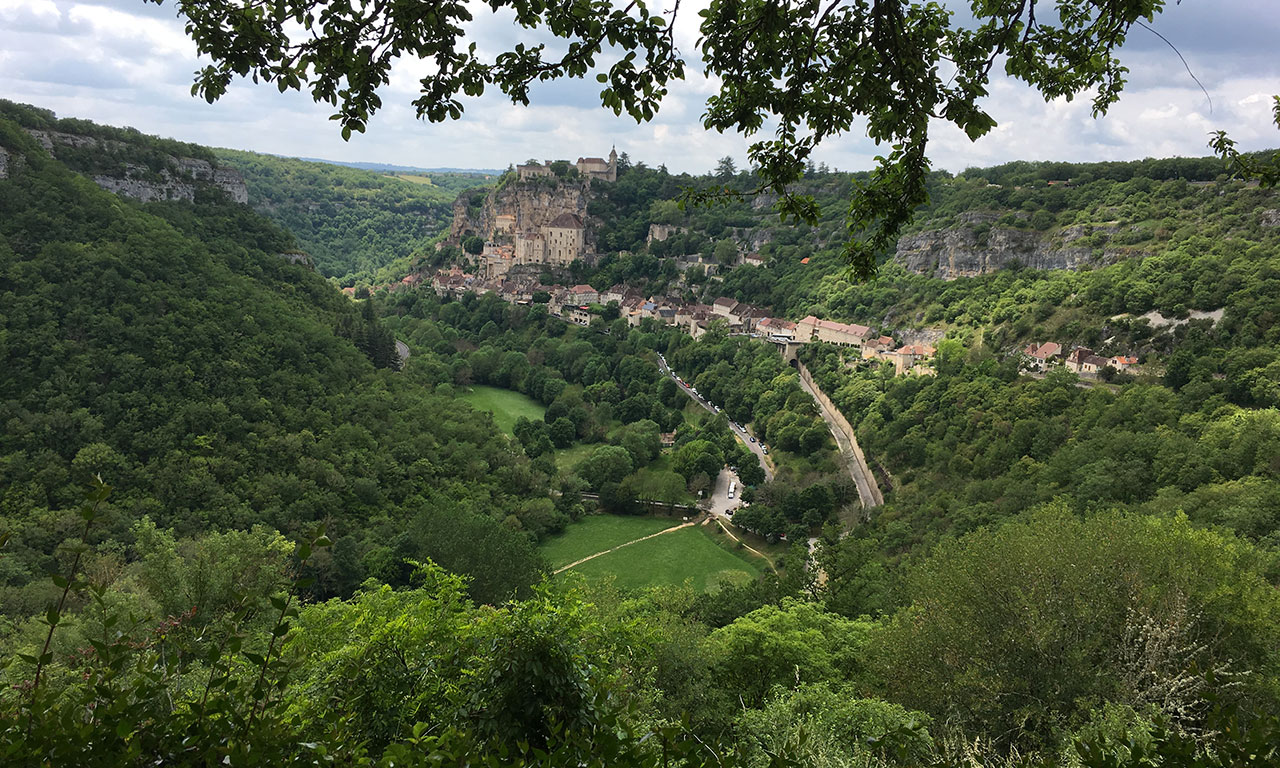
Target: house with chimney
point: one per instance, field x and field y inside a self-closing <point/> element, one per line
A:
<point x="1040" y="356"/>
<point x="1084" y="362"/>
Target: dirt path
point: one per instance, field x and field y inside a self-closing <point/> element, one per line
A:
<point x="627" y="544"/>
<point x="747" y="546"/>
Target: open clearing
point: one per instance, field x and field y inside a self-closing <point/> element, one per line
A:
<point x="598" y="533"/>
<point x="688" y="554"/>
<point x="505" y="405"/>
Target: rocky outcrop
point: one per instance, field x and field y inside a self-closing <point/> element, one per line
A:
<point x="660" y="232"/>
<point x="966" y="251"/>
<point x="530" y="205"/>
<point x="4" y="163"/>
<point x="1271" y="218"/>
<point x="298" y="257"/>
<point x="179" y="178"/>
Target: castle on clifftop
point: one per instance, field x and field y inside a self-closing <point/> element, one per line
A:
<point x="588" y="168"/>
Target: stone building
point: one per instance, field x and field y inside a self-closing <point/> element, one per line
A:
<point x="564" y="240"/>
<point x="844" y="334"/>
<point x="533" y="171"/>
<point x="598" y="167"/>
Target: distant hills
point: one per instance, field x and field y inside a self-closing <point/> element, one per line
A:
<point x="388" y="168"/>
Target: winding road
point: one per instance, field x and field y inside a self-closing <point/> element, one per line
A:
<point x="742" y="436"/>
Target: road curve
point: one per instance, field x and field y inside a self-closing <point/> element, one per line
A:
<point x="402" y="350"/>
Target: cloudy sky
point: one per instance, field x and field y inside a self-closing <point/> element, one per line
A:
<point x="125" y="62"/>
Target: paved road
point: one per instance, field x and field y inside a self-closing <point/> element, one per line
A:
<point x="402" y="350"/>
<point x="719" y="504"/>
<point x="755" y="447"/>
<point x="868" y="491"/>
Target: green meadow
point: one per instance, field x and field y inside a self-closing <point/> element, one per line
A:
<point x="505" y="405"/>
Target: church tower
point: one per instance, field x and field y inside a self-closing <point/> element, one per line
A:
<point x="613" y="163"/>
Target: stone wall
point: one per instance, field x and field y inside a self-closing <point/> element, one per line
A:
<point x="868" y="489"/>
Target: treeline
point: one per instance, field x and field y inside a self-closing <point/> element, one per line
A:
<point x="1113" y="640"/>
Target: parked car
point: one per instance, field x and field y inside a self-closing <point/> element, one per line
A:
<point x="753" y="438"/>
<point x="765" y="449"/>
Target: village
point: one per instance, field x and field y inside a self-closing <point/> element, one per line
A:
<point x="582" y="304"/>
<point x="522" y="243"/>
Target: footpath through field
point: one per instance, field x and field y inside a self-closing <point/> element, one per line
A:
<point x="625" y="544"/>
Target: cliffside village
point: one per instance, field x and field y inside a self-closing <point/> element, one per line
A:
<point x="1081" y="361"/>
<point x="547" y="234"/>
<point x="558" y="242"/>
<point x="581" y="304"/>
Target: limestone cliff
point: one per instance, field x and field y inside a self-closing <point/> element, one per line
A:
<point x="521" y="206"/>
<point x="973" y="247"/>
<point x="4" y="163"/>
<point x="165" y="178"/>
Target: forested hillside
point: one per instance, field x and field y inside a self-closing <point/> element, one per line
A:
<point x="359" y="226"/>
<point x="217" y="387"/>
<point x="233" y="533"/>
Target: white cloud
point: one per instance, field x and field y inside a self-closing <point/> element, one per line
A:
<point x="124" y="62"/>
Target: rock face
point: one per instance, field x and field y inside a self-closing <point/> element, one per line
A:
<point x="178" y="179"/>
<point x="1270" y="218"/>
<point x="4" y="163"/>
<point x="660" y="232"/>
<point x="298" y="257"/>
<point x="529" y="205"/>
<point x="963" y="252"/>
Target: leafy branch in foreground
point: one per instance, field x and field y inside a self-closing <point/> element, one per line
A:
<point x="807" y="70"/>
<point x="1266" y="170"/>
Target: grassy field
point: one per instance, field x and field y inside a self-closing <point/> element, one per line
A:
<point x="568" y="458"/>
<point x="672" y="558"/>
<point x="505" y="405"/>
<point x="598" y="533"/>
<point x="414" y="179"/>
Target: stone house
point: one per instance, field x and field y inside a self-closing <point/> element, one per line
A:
<point x="1083" y="361"/>
<point x="583" y="294"/>
<point x="843" y="334"/>
<point x="564" y="240"/>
